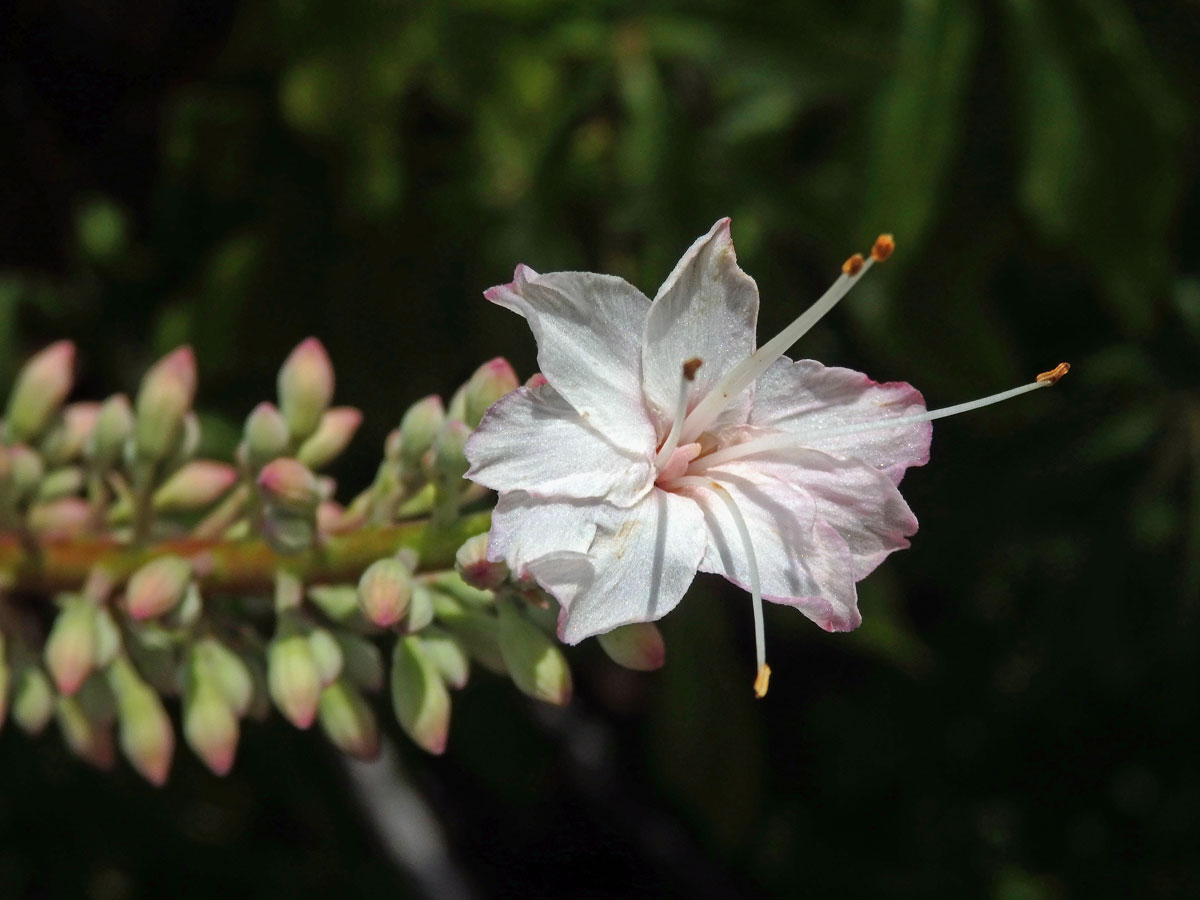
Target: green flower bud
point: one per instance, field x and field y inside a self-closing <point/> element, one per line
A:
<point x="194" y="486"/>
<point x="287" y="485"/>
<point x="32" y="699"/>
<point x="70" y="651"/>
<point x="334" y="432"/>
<point x="60" y="483"/>
<point x="447" y="656"/>
<point x="164" y="398"/>
<point x="209" y="724"/>
<point x="305" y="387"/>
<point x="187" y="444"/>
<point x="87" y="738"/>
<point x="42" y="385"/>
<point x="477" y="632"/>
<point x="25" y="471"/>
<point x="338" y="602"/>
<point x="294" y="679"/>
<point x="266" y="435"/>
<point x="147" y="739"/>
<point x="489" y="383"/>
<point x="419" y="696"/>
<point x="114" y="425"/>
<point x="348" y="721"/>
<point x="476" y="569"/>
<point x="418" y="428"/>
<point x="288" y="532"/>
<point x="363" y="661"/>
<point x="535" y="663"/>
<point x="157" y="587"/>
<point x="327" y="654"/>
<point x="385" y="591"/>
<point x="64" y="442"/>
<point x="213" y="662"/>
<point x="638" y="646"/>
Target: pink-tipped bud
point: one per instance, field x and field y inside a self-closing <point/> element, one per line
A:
<point x="287" y="484"/>
<point x="305" y="387"/>
<point x="164" y="398"/>
<point x="114" y="424"/>
<point x="419" y="696"/>
<point x="214" y="662"/>
<point x="70" y="651"/>
<point x="474" y="566"/>
<point x="489" y="383"/>
<point x="67" y="517"/>
<point x="333" y="434"/>
<point x="536" y="380"/>
<point x="348" y="721"/>
<point x="146" y="736"/>
<point x="198" y="484"/>
<point x="266" y="434"/>
<point x="418" y="428"/>
<point x="638" y="646"/>
<point x="536" y="665"/>
<point x="42" y="385"/>
<point x="66" y="438"/>
<point x="86" y="736"/>
<point x="157" y="587"/>
<point x="385" y="591"/>
<point x="210" y="726"/>
<point x="293" y="679"/>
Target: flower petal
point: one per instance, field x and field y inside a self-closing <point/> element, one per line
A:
<point x="707" y="309"/>
<point x="861" y="504"/>
<point x="815" y="401"/>
<point x="532" y="440"/>
<point x="638" y="567"/>
<point x="587" y="328"/>
<point x="526" y="528"/>
<point x="802" y="561"/>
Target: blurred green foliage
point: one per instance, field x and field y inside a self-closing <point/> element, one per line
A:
<point x="1014" y="718"/>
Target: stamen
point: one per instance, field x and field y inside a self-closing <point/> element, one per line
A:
<point x="787" y="441"/>
<point x="760" y="645"/>
<point x="687" y="376"/>
<point x="747" y="371"/>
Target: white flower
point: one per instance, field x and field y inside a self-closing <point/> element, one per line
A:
<point x="663" y="443"/>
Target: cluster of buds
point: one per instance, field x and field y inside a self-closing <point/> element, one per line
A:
<point x="140" y="585"/>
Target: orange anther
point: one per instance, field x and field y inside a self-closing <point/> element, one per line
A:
<point x="853" y="265"/>
<point x="1054" y="374"/>
<point x="690" y="367"/>
<point x="884" y="245"/>
<point x="761" y="680"/>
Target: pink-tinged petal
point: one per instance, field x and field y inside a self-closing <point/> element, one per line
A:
<point x="638" y="567"/>
<point x="532" y="440"/>
<point x="707" y="309"/>
<point x="526" y="528"/>
<point x="861" y="504"/>
<point x="815" y="402"/>
<point x="802" y="561"/>
<point x="587" y="328"/>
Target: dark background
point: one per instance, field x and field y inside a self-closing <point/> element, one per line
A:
<point x="1015" y="718"/>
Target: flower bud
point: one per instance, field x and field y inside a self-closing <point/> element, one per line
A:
<point x="305" y="387"/>
<point x="60" y="483"/>
<point x="348" y="721"/>
<point x="338" y="602"/>
<point x="194" y="486"/>
<point x="114" y="424"/>
<point x="327" y="654"/>
<point x="67" y="517"/>
<point x="65" y="440"/>
<point x="294" y="679"/>
<point x="32" y="699"/>
<point x="385" y="591"/>
<point x="188" y="442"/>
<point x="147" y="739"/>
<point x="419" y="696"/>
<point x="476" y="569"/>
<point x="266" y="435"/>
<point x="215" y="663"/>
<point x="70" y="651"/>
<point x="489" y="383"/>
<point x="336" y="428"/>
<point x="363" y="661"/>
<point x="87" y="738"/>
<point x="42" y="385"/>
<point x="164" y="398"/>
<point x="288" y="485"/>
<point x="447" y="656"/>
<point x="536" y="380"/>
<point x="25" y="470"/>
<point x="108" y="637"/>
<point x="157" y="587"/>
<point x="209" y="724"/>
<point x="287" y="532"/>
<point x="535" y="663"/>
<point x="638" y="646"/>
<point x="418" y="428"/>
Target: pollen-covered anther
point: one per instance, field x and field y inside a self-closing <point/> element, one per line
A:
<point x="1055" y="374"/>
<point x="691" y="367"/>
<point x="762" y="680"/>
<point x="883" y="247"/>
<point x="853" y="265"/>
